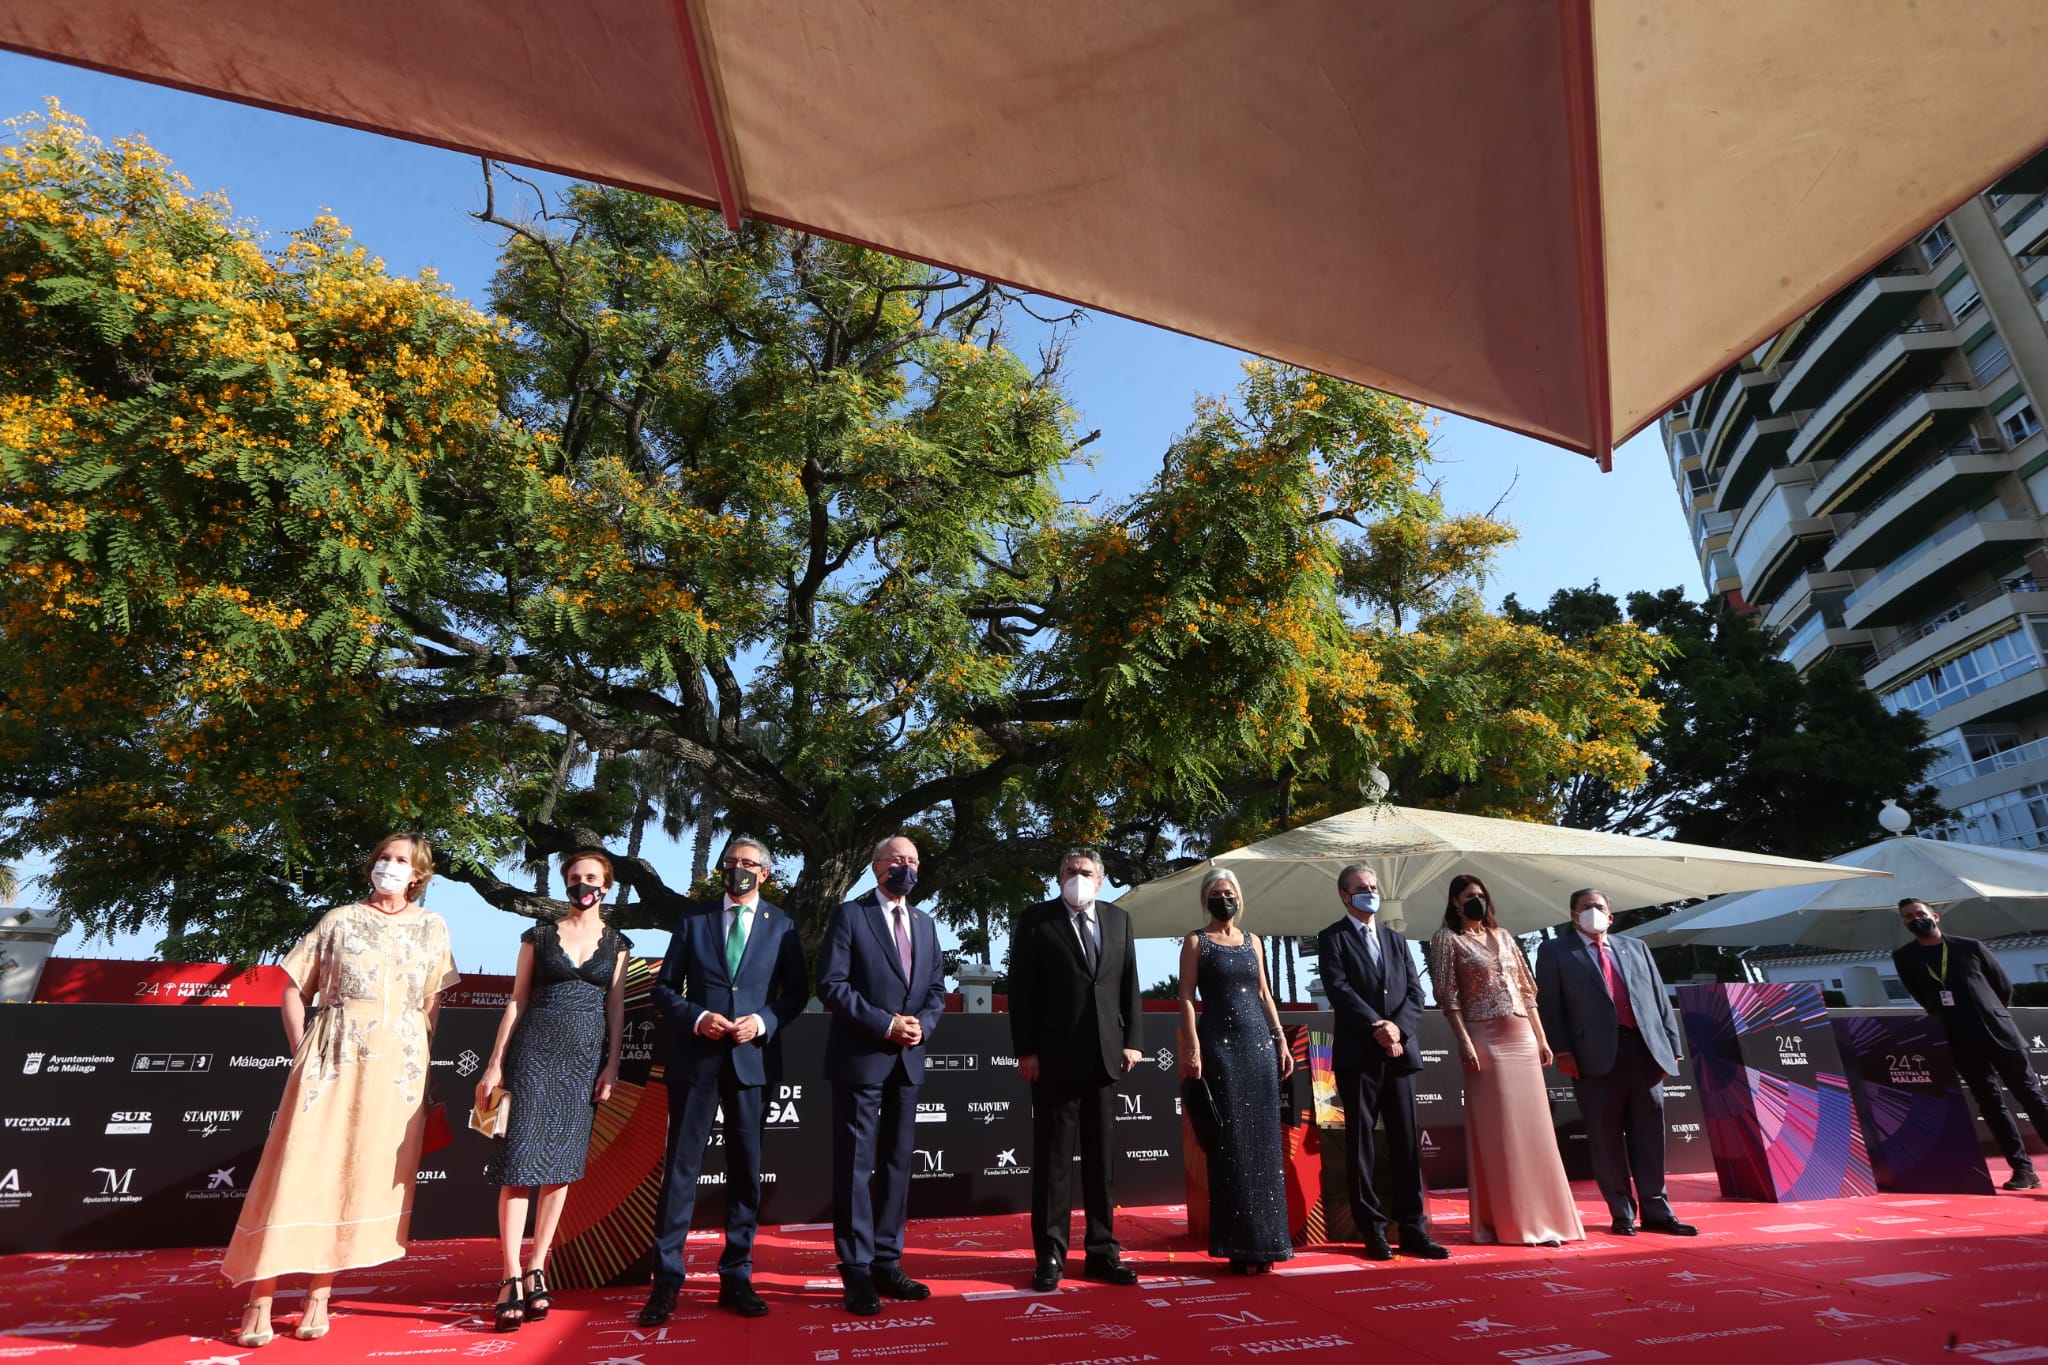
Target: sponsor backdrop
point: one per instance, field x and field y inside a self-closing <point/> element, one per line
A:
<point x="129" y="1128"/>
<point x="1779" y="1116"/>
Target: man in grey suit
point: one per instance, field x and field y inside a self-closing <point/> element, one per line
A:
<point x="1615" y="1035"/>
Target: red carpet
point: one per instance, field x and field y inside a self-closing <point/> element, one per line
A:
<point x="1889" y="1280"/>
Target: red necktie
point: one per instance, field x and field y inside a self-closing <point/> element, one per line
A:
<point x="1616" y="987"/>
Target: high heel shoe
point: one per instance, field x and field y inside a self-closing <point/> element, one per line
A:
<point x="508" y="1313"/>
<point x="309" y="1329"/>
<point x="249" y="1335"/>
<point x="539" y="1298"/>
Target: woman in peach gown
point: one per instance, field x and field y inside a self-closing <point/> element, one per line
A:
<point x="1517" y="1183"/>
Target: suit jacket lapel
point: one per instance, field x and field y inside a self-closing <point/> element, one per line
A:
<point x="878" y="920"/>
<point x="748" y="953"/>
<point x="1069" y="933"/>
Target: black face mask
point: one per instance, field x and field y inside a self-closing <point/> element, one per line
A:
<point x="1921" y="925"/>
<point x="900" y="879"/>
<point x="740" y="880"/>
<point x="1474" y="908"/>
<point x="584" y="894"/>
<point x="1223" y="907"/>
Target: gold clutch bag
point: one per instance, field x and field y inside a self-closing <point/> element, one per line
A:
<point x="491" y="1119"/>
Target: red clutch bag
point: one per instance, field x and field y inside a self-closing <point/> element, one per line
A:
<point x="435" y="1134"/>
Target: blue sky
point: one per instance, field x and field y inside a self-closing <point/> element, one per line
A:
<point x="410" y="205"/>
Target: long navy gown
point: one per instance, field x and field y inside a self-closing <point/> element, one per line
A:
<point x="1247" y="1195"/>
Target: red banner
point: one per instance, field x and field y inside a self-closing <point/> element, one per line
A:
<point x="95" y="981"/>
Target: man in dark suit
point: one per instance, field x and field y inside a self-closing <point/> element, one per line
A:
<point x="732" y="980"/>
<point x="1966" y="988"/>
<point x="1074" y="1023"/>
<point x="881" y="975"/>
<point x="1611" y="1024"/>
<point x="1376" y="996"/>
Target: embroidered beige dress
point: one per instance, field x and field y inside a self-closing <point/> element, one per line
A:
<point x="335" y="1185"/>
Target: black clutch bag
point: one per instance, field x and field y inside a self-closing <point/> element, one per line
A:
<point x="1199" y="1107"/>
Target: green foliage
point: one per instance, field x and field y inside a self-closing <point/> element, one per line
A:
<point x="1751" y="755"/>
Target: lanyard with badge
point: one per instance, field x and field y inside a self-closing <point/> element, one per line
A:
<point x="1948" y="997"/>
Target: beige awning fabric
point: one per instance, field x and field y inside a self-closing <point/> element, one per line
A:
<point x="1557" y="216"/>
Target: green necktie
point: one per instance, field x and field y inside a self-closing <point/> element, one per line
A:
<point x="735" y="942"/>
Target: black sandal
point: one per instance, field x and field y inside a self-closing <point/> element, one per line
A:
<point x="539" y="1299"/>
<point x="508" y="1314"/>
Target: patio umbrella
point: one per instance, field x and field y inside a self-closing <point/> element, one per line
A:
<point x="1558" y="217"/>
<point x="1290" y="879"/>
<point x="1982" y="893"/>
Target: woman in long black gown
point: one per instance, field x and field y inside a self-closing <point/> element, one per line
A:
<point x="557" y="1056"/>
<point x="1239" y="1049"/>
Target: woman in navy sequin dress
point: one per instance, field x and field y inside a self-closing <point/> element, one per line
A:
<point x="1237" y="1046"/>
<point x="557" y="1056"/>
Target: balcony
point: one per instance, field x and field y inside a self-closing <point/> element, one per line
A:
<point x="1760" y="448"/>
<point x="1937" y="413"/>
<point x="1921" y="575"/>
<point x="1799" y="595"/>
<point x="1914" y="352"/>
<point x="1821" y="643"/>
<point x="1896" y="517"/>
<point x="1710" y="531"/>
<point x="2028" y="230"/>
<point x="1734" y="400"/>
<point x="1869" y="312"/>
<point x="1973" y="615"/>
<point x="1774" y="539"/>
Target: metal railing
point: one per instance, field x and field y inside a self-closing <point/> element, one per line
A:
<point x="1847" y="464"/>
<point x="2024" y="583"/>
<point x="1905" y="562"/>
<point x="1994" y="763"/>
<point x="1976" y="445"/>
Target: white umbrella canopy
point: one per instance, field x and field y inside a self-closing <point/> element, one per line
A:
<point x="1982" y="892"/>
<point x="1290" y="880"/>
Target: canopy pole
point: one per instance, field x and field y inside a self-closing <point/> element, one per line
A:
<point x="1582" y="134"/>
<point x="723" y="159"/>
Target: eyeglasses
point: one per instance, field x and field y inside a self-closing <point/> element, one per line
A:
<point x="747" y="863"/>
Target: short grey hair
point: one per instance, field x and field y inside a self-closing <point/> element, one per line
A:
<point x="1215" y="875"/>
<point x="747" y="841"/>
<point x="1092" y="854"/>
<point x="876" y="856"/>
<point x="1354" y="870"/>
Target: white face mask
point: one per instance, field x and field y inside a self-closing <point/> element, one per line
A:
<point x="1595" y="921"/>
<point x="1078" y="891"/>
<point x="391" y="878"/>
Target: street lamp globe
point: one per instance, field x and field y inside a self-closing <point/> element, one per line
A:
<point x="1894" y="820"/>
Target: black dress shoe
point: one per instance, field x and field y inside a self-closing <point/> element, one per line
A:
<point x="1670" y="1227"/>
<point x="860" y="1293"/>
<point x="2022" y="1180"/>
<point x="1376" y="1248"/>
<point x="1622" y="1227"/>
<point x="891" y="1281"/>
<point x="1108" y="1272"/>
<point x="661" y="1302"/>
<point x="1046" y="1278"/>
<point x="1419" y="1245"/>
<point x="738" y="1295"/>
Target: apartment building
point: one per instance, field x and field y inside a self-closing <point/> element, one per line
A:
<point x="1874" y="482"/>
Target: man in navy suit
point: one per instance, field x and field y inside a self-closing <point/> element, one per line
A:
<point x="1370" y="978"/>
<point x="732" y="980"/>
<point x="1615" y="1035"/>
<point x="881" y="975"/>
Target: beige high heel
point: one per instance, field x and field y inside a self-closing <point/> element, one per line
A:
<point x="308" y="1329"/>
<point x="249" y="1335"/>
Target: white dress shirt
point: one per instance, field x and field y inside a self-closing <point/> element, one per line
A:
<point x="745" y="910"/>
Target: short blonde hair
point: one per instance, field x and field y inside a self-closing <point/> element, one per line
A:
<point x="417" y="849"/>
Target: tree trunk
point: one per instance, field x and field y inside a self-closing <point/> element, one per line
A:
<point x="633" y="840"/>
<point x="700" y="853"/>
<point x="547" y="808"/>
<point x="1293" y="955"/>
<point x="820" y="887"/>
